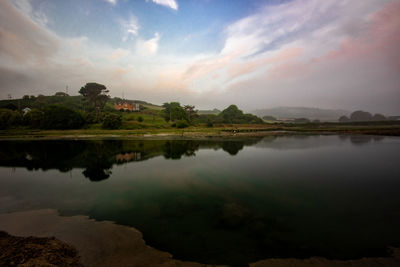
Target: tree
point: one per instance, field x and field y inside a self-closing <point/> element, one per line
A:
<point x="181" y="124"/>
<point x="378" y="117"/>
<point x="9" y="118"/>
<point x="231" y="114"/>
<point x="344" y="119"/>
<point x="59" y="117"/>
<point x="173" y="111"/>
<point x="112" y="121"/>
<point x="34" y="118"/>
<point x="10" y="106"/>
<point x="234" y="115"/>
<point x="95" y="95"/>
<point x="360" y="115"/>
<point x="190" y="112"/>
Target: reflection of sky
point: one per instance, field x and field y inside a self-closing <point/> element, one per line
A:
<point x="217" y="195"/>
<point x="283" y="159"/>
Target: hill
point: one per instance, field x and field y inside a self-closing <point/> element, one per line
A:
<point x="285" y="113"/>
<point x="73" y="102"/>
<point x="207" y="112"/>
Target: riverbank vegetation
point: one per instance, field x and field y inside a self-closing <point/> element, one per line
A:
<point x="94" y="112"/>
<point x="95" y="109"/>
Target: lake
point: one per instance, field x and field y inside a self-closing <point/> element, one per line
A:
<point x="220" y="201"/>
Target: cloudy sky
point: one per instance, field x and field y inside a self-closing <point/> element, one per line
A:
<point x="210" y="53"/>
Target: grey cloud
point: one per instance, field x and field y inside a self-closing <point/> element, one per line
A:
<point x="21" y="39"/>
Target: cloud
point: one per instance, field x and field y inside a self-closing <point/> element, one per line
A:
<point x="148" y="47"/>
<point x="130" y="27"/>
<point x="168" y="3"/>
<point x="332" y="53"/>
<point x="302" y="53"/>
<point x="112" y="2"/>
<point x="37" y="15"/>
<point x="119" y="53"/>
<point x="22" y="39"/>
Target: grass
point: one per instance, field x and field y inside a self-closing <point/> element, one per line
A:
<point x="159" y="128"/>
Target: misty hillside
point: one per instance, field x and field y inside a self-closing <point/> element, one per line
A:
<point x="302" y="112"/>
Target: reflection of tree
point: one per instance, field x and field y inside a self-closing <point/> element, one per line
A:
<point x="176" y="149"/>
<point x="360" y="139"/>
<point x="232" y="147"/>
<point x="98" y="157"/>
<point x="96" y="173"/>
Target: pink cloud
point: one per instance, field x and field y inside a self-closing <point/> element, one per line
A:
<point x="381" y="38"/>
<point x="380" y="41"/>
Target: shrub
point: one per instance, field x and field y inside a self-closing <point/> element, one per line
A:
<point x="59" y="117"/>
<point x="112" y="121"/>
<point x="209" y="123"/>
<point x="360" y="115"/>
<point x="9" y="118"/>
<point x="140" y="119"/>
<point x="181" y="124"/>
<point x="34" y="118"/>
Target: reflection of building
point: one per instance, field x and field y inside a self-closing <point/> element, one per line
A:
<point x="133" y="156"/>
<point x="125" y="106"/>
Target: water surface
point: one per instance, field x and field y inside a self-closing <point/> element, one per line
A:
<point x="225" y="202"/>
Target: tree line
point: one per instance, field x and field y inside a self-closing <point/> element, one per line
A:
<point x="75" y="112"/>
<point x="360" y="115"/>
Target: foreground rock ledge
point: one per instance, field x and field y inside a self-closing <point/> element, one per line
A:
<point x="107" y="244"/>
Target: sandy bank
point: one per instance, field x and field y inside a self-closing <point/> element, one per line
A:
<point x="98" y="243"/>
<point x="107" y="244"/>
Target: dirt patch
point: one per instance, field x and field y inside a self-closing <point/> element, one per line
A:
<point x="36" y="251"/>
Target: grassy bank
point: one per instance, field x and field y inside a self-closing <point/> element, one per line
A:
<point x="389" y="129"/>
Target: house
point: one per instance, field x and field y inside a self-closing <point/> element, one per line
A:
<point x="25" y="110"/>
<point x="125" y="106"/>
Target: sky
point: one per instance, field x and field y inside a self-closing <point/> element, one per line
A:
<point x="341" y="54"/>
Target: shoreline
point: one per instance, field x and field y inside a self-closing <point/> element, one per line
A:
<point x="104" y="243"/>
<point x="194" y="133"/>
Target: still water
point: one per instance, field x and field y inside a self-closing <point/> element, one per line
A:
<point x="225" y="202"/>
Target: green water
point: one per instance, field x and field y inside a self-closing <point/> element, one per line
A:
<point x="225" y="202"/>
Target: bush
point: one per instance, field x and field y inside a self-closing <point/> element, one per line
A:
<point x="93" y="117"/>
<point x="34" y="118"/>
<point x="181" y="124"/>
<point x="9" y="118"/>
<point x="59" y="117"/>
<point x="234" y="115"/>
<point x="140" y="119"/>
<point x="360" y="115"/>
<point x="112" y="121"/>
<point x="209" y="123"/>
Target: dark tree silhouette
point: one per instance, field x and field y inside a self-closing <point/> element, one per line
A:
<point x="95" y="95"/>
<point x="360" y="115"/>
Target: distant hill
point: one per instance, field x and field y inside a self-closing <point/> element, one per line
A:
<point x="285" y="113"/>
<point x="208" y="112"/>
